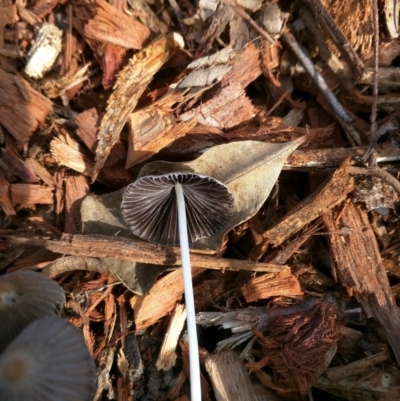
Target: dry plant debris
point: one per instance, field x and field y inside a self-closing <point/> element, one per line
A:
<point x="293" y="105"/>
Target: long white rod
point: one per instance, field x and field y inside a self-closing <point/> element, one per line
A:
<point x="195" y="386"/>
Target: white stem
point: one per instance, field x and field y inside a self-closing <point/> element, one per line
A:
<point x="195" y="386"/>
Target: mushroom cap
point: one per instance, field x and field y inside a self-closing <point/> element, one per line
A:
<point x="48" y="361"/>
<point x="149" y="207"/>
<point x="26" y="296"/>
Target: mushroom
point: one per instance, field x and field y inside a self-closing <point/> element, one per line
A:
<point x="26" y="296"/>
<point x="48" y="361"/>
<point x="179" y="208"/>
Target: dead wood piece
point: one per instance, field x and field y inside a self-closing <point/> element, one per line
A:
<point x="175" y="390"/>
<point x="271" y="285"/>
<point x="219" y="20"/>
<point x="154" y="128"/>
<point x="45" y="225"/>
<point x="28" y="16"/>
<point x="205" y="388"/>
<point x="5" y="197"/>
<point x="18" y="167"/>
<point x="161" y="299"/>
<point x="71" y="157"/>
<point x="18" y="114"/>
<point x="334" y="191"/>
<point x="29" y="194"/>
<point x="8" y="15"/>
<point x="356" y="368"/>
<point x="87" y="123"/>
<point x="385" y="152"/>
<point x="230" y="106"/>
<point x="300" y="346"/>
<point x="226" y="110"/>
<point x="377" y="384"/>
<point x="247" y="18"/>
<point x="359" y="267"/>
<point x="113" y="26"/>
<point x="208" y="290"/>
<point x="41" y="8"/>
<point x="229" y="377"/>
<point x="40" y="171"/>
<point x="167" y="357"/>
<point x="131" y="83"/>
<point x="76" y="188"/>
<point x="102" y="246"/>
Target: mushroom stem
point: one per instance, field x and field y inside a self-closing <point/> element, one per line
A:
<point x="195" y="386"/>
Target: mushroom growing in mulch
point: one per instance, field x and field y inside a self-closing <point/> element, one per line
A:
<point x="48" y="361"/>
<point x="26" y="296"/>
<point x="179" y="208"/>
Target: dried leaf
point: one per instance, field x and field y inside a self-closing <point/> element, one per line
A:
<point x="248" y="168"/>
<point x="137" y="277"/>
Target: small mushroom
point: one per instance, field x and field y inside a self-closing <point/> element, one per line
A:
<point x="26" y="296"/>
<point x="179" y="208"/>
<point x="48" y="361"/>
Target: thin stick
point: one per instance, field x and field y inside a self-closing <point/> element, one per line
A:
<point x="319" y="80"/>
<point x="195" y="386"/>
<point x="374" y="130"/>
<point x="380" y="173"/>
<point x="239" y="11"/>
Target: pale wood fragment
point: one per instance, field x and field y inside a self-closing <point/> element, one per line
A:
<point x="154" y="128"/>
<point x="358" y="266"/>
<point x="229" y="377"/>
<point x="29" y="194"/>
<point x="161" y="299"/>
<point x="71" y="157"/>
<point x="271" y="285"/>
<point x="167" y="357"/>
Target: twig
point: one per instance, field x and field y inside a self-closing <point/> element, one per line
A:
<point x="318" y="79"/>
<point x="239" y="11"/>
<point x="325" y="19"/>
<point x="380" y="173"/>
<point x="374" y="131"/>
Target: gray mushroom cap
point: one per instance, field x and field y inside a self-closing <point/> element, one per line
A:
<point x="48" y="361"/>
<point x="26" y="296"/>
<point x="149" y="207"/>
